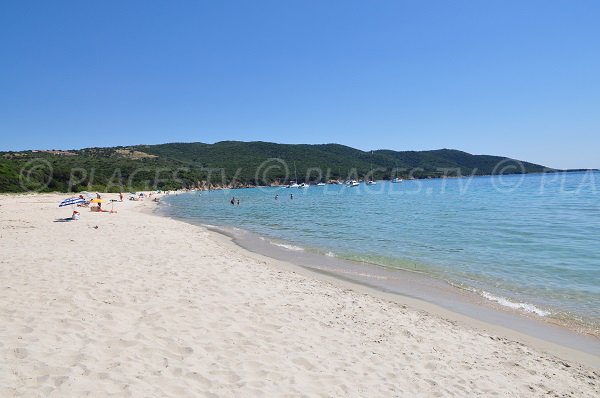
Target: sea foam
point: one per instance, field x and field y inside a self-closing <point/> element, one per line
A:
<point x="511" y="304"/>
<point x="288" y="247"/>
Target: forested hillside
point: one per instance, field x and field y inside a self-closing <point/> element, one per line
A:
<point x="177" y="165"/>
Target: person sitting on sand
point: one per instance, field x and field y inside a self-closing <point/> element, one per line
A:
<point x="84" y="204"/>
<point x="75" y="216"/>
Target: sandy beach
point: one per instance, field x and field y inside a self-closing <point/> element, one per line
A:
<point x="134" y="304"/>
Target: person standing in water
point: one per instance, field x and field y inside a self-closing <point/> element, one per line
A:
<point x="232" y="201"/>
<point x="276" y="196"/>
<point x="291" y="196"/>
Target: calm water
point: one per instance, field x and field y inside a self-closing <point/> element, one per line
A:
<point x="531" y="242"/>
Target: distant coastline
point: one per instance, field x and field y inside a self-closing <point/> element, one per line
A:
<point x="232" y="164"/>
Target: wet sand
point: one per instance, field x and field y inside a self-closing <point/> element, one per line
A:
<point x="422" y="287"/>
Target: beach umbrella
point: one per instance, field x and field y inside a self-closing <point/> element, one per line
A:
<point x="71" y="201"/>
<point x="87" y="194"/>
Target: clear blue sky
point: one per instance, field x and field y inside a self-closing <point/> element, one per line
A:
<point x="514" y="78"/>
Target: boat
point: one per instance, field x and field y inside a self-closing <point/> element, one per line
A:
<point x="371" y="181"/>
<point x="396" y="179"/>
<point x="352" y="183"/>
<point x="303" y="185"/>
<point x="294" y="184"/>
<point x="321" y="184"/>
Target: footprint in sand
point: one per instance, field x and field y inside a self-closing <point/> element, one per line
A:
<point x="177" y="372"/>
<point x="179" y="350"/>
<point x="42" y="379"/>
<point x="303" y="363"/>
<point x="60" y="380"/>
<point x="21" y="353"/>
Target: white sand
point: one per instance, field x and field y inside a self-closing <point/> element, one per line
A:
<point x="146" y="306"/>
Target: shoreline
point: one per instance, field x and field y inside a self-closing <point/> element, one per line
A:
<point x="530" y="283"/>
<point x="420" y="290"/>
<point x="139" y="304"/>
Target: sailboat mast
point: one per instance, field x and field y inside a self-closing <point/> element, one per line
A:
<point x="295" y="172"/>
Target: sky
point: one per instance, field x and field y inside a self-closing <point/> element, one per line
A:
<point x="512" y="78"/>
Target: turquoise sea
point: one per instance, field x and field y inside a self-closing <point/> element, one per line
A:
<point x="530" y="242"/>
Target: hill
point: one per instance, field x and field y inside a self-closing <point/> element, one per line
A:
<point x="177" y="165"/>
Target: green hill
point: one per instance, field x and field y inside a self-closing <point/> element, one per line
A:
<point x="177" y="165"/>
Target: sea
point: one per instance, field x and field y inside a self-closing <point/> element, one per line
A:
<point x="529" y="242"/>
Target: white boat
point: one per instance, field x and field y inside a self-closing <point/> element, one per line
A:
<point x="396" y="179"/>
<point x="352" y="183"/>
<point x="294" y="184"/>
<point x="371" y="180"/>
<point x="303" y="185"/>
<point x="321" y="184"/>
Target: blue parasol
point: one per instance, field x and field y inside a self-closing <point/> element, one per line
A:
<point x="71" y="201"/>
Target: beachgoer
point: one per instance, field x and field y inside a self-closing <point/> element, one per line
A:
<point x="276" y="196"/>
<point x="85" y="203"/>
<point x="98" y="196"/>
<point x="238" y="202"/>
<point x="291" y="196"/>
<point x="74" y="216"/>
<point x="121" y="196"/>
<point x="232" y="201"/>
